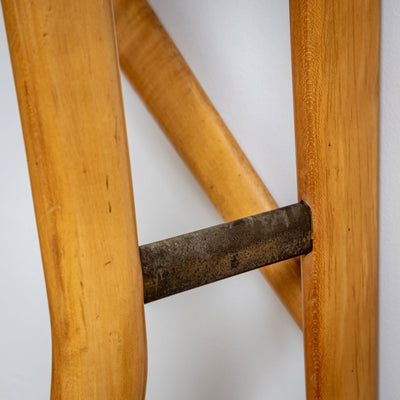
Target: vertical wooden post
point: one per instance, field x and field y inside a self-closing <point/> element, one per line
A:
<point x="67" y="79"/>
<point x="157" y="70"/>
<point x="335" y="55"/>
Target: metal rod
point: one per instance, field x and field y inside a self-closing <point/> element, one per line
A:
<point x="188" y="261"/>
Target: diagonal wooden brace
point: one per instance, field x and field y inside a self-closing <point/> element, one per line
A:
<point x="171" y="92"/>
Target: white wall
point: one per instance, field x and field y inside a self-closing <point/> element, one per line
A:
<point x="389" y="257"/>
<point x="233" y="339"/>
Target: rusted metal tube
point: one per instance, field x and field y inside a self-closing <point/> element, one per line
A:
<point x="188" y="261"/>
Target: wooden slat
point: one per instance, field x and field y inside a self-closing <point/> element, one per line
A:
<point x="335" y="55"/>
<point x="67" y="79"/>
<point x="173" y="95"/>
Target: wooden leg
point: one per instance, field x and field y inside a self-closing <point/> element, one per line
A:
<point x="173" y="95"/>
<point x="335" y="55"/>
<point x="67" y="79"/>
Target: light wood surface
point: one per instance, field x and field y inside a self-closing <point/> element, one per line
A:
<point x="67" y="79"/>
<point x="335" y="56"/>
<point x="160" y="75"/>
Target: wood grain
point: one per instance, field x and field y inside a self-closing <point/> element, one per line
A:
<point x="67" y="80"/>
<point x="160" y="75"/>
<point x="335" y="56"/>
